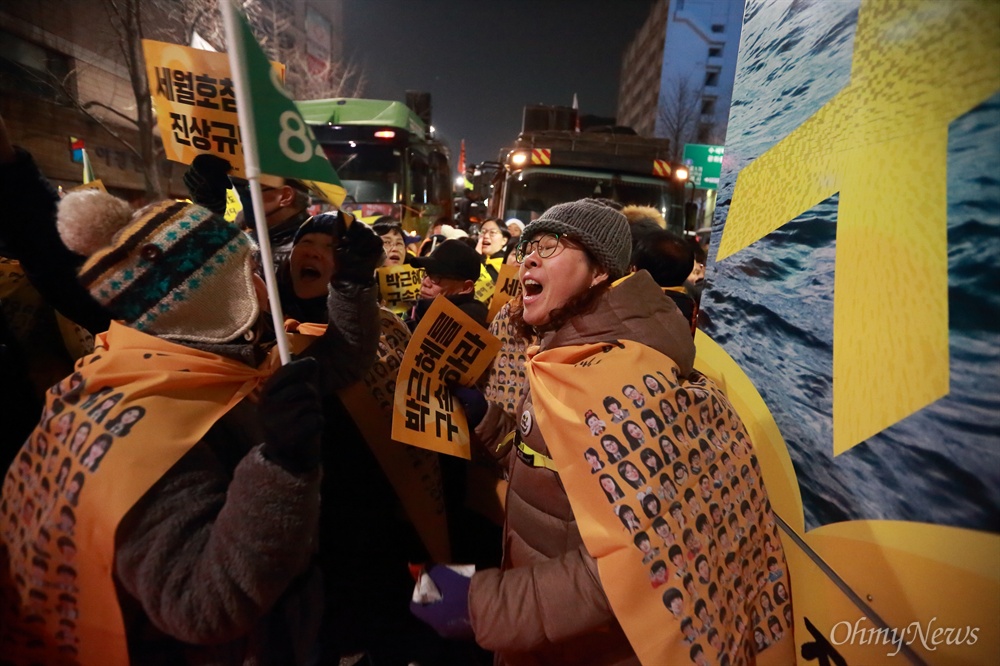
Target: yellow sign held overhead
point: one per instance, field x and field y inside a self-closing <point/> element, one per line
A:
<point x="447" y="347"/>
<point x="195" y="102"/>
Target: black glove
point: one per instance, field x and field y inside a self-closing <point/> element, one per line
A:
<point x="359" y="252"/>
<point x="207" y="179"/>
<point x="292" y="416"/>
<point x="473" y="402"/>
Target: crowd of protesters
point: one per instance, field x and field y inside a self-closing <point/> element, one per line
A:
<point x="246" y="514"/>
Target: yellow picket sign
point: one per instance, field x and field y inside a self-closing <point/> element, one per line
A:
<point x="195" y="102"/>
<point x="399" y="285"/>
<point x="447" y="346"/>
<point x="507" y="287"/>
<point x="484" y="285"/>
<point x="233" y="205"/>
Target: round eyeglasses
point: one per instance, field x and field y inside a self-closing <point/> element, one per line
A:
<point x="545" y="245"/>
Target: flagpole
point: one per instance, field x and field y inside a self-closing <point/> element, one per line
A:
<point x="88" y="169"/>
<point x="237" y="58"/>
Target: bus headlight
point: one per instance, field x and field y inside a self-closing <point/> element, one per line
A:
<point x="518" y="158"/>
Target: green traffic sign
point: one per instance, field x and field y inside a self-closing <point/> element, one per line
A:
<point x="704" y="164"/>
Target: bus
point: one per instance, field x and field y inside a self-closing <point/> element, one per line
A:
<point x="386" y="157"/>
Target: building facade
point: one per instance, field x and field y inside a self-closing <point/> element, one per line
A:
<point x="677" y="74"/>
<point x="639" y="87"/>
<point x="63" y="78"/>
<point x="699" y="65"/>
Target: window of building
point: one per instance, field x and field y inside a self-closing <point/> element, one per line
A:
<point x="31" y="69"/>
<point x="715" y="52"/>
<point x="711" y="78"/>
<point x="718" y="27"/>
<point x="708" y="106"/>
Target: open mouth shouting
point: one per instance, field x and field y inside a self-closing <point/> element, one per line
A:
<point x="311" y="264"/>
<point x="393" y="256"/>
<point x="309" y="273"/>
<point x="533" y="298"/>
<point x="310" y="280"/>
<point x="532" y="289"/>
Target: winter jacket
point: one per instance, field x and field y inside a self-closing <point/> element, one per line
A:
<point x="216" y="564"/>
<point x="546" y="605"/>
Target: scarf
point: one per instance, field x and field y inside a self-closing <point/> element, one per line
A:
<point x="678" y="526"/>
<point x="108" y="432"/>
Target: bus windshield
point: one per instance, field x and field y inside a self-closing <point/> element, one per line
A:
<point x="370" y="173"/>
<point x="533" y="191"/>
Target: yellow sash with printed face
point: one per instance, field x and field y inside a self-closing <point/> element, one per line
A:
<point x="667" y="494"/>
<point x="108" y="432"/>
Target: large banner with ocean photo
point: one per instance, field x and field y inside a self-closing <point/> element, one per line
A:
<point x="853" y="310"/>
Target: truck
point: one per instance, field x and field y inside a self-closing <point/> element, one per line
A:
<point x="551" y="162"/>
<point x="386" y="156"/>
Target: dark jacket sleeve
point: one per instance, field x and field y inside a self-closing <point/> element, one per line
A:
<point x="348" y="347"/>
<point x="29" y="234"/>
<point x="208" y="551"/>
<point x="524" y="608"/>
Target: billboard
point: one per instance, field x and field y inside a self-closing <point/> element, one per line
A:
<point x="853" y="313"/>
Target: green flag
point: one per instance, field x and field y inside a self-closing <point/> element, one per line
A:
<point x="286" y="145"/>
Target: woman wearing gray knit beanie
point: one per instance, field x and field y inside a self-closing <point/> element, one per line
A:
<point x="572" y="588"/>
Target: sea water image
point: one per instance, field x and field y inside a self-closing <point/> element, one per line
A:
<point x="770" y="305"/>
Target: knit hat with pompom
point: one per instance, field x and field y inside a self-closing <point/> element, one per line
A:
<point x="171" y="269"/>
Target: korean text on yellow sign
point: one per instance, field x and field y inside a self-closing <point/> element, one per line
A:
<point x="507" y="287"/>
<point x="447" y="346"/>
<point x="195" y="102"/>
<point x="399" y="284"/>
<point x="484" y="286"/>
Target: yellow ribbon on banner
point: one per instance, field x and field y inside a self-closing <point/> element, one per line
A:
<point x="107" y="434"/>
<point x="674" y="509"/>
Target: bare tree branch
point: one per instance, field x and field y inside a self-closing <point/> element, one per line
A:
<point x="101" y="105"/>
<point x="125" y="18"/>
<point x="679" y="115"/>
<point x="306" y="77"/>
<point x="63" y="90"/>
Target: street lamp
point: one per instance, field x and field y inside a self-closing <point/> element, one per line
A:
<point x="682" y="175"/>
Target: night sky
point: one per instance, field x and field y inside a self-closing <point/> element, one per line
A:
<point x="483" y="60"/>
